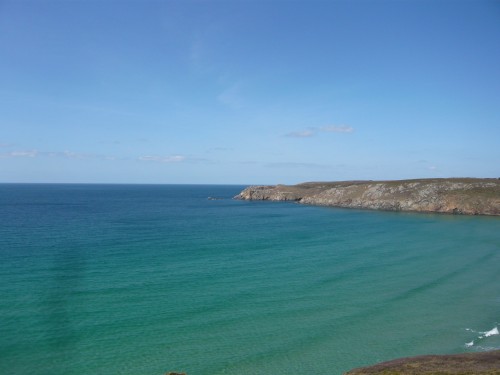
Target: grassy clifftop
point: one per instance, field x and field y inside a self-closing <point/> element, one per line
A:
<point x="485" y="363"/>
<point x="469" y="196"/>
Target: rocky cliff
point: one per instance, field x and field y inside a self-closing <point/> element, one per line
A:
<point x="470" y="196"/>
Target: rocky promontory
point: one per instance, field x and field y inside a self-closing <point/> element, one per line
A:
<point x="468" y="196"/>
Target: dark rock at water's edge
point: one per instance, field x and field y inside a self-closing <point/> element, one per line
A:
<point x="483" y="363"/>
<point x="468" y="196"/>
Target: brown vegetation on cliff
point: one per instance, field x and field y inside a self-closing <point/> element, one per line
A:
<point x="468" y="196"/>
<point x="485" y="363"/>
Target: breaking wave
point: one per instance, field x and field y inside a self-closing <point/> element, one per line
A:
<point x="481" y="335"/>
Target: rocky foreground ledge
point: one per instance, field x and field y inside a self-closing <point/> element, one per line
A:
<point x="485" y="363"/>
<point x="468" y="196"/>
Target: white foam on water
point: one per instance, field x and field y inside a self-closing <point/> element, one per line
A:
<point x="492" y="332"/>
<point x="482" y="335"/>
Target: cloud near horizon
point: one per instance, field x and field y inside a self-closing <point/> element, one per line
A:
<point x="20" y="154"/>
<point x="70" y="155"/>
<point x="82" y="156"/>
<point x="312" y="131"/>
<point x="337" y="129"/>
<point x="163" y="159"/>
<point x="54" y="154"/>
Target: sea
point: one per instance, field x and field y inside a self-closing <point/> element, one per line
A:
<point x="147" y="279"/>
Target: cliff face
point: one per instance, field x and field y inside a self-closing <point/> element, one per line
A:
<point x="454" y="195"/>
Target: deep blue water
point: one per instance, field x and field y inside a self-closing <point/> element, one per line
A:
<point x="144" y="279"/>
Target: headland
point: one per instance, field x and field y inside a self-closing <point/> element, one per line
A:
<point x="466" y="196"/>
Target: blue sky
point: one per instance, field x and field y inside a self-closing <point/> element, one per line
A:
<point x="248" y="92"/>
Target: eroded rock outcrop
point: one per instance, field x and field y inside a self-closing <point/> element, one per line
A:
<point x="452" y="195"/>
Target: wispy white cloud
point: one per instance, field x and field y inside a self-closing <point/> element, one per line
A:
<point x="20" y="154"/>
<point x="163" y="159"/>
<point x="90" y="156"/>
<point x="312" y="131"/>
<point x="54" y="154"/>
<point x="71" y="155"/>
<point x="337" y="129"/>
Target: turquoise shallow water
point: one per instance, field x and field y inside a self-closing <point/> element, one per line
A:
<point x="130" y="279"/>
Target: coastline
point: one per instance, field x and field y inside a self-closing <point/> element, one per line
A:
<point x="464" y="196"/>
<point x="458" y="196"/>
